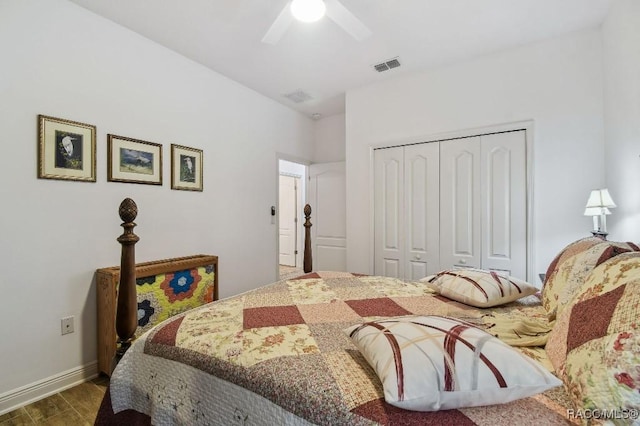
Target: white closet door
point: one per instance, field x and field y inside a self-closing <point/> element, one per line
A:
<point x="388" y="212"/>
<point x="504" y="203"/>
<point x="460" y="203"/>
<point x="421" y="210"/>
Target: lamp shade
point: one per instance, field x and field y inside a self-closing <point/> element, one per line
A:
<point x="308" y="10"/>
<point x="600" y="198"/>
<point x="596" y="211"/>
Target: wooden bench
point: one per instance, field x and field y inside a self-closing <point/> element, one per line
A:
<point x="164" y="288"/>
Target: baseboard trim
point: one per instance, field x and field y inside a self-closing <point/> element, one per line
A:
<point x="36" y="391"/>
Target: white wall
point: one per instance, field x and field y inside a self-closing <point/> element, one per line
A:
<point x="621" y="46"/>
<point x="61" y="60"/>
<point x="556" y="83"/>
<point x="330" y="139"/>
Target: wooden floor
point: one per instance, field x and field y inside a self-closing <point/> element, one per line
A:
<point x="75" y="406"/>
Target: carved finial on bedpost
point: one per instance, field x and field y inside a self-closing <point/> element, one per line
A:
<point x="308" y="263"/>
<point x="127" y="310"/>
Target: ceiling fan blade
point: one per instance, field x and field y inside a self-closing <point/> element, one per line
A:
<point x="279" y="26"/>
<point x="347" y="20"/>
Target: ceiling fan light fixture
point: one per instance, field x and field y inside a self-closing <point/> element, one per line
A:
<point x="308" y="10"/>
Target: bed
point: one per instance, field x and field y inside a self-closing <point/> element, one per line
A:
<point x="285" y="353"/>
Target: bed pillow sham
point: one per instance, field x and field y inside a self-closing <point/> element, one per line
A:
<point x="568" y="271"/>
<point x="478" y="287"/>
<point x="594" y="344"/>
<point x="431" y="363"/>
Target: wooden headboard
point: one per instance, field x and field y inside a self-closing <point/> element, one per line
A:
<point x="118" y="298"/>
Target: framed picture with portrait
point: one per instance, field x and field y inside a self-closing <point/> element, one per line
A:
<point x="66" y="149"/>
<point x="186" y="168"/>
<point x="133" y="160"/>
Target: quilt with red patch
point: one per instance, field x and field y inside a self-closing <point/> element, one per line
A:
<point x="285" y="343"/>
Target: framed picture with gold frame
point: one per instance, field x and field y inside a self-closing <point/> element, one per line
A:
<point x="186" y="168"/>
<point x="133" y="160"/>
<point x="66" y="149"/>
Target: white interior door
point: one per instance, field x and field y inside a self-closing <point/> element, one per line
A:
<point x="504" y="203"/>
<point x="389" y="257"/>
<point x="460" y="203"/>
<point x="328" y="200"/>
<point x="422" y="210"/>
<point x="287" y="220"/>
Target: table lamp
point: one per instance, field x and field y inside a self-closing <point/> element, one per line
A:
<point x="598" y="206"/>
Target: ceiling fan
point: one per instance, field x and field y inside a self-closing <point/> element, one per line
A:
<point x="304" y="10"/>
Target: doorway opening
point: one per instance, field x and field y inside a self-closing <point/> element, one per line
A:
<point x="292" y="178"/>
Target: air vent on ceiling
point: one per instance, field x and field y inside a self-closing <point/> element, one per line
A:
<point x="387" y="65"/>
<point x="298" y="96"/>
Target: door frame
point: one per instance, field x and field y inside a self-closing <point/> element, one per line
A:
<point x="526" y="125"/>
<point x="275" y="220"/>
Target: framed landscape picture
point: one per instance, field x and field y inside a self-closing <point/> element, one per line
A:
<point x="186" y="168"/>
<point x="133" y="160"/>
<point x="66" y="149"/>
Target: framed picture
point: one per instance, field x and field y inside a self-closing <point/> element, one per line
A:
<point x="133" y="160"/>
<point x="66" y="149"/>
<point x="186" y="168"/>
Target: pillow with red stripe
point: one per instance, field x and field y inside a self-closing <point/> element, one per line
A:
<point x="430" y="363"/>
<point x="478" y="287"/>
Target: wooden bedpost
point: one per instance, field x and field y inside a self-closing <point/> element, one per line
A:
<point x="308" y="263"/>
<point x="127" y="309"/>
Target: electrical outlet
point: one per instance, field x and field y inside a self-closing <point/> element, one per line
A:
<point x="66" y="325"/>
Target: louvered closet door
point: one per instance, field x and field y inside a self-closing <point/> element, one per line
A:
<point x="388" y="212"/>
<point x="460" y="203"/>
<point x="504" y="203"/>
<point x="421" y="210"/>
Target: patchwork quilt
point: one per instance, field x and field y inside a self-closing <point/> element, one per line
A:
<point x="164" y="295"/>
<point x="282" y="353"/>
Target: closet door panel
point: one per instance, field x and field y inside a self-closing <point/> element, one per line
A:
<point x="388" y="212"/>
<point x="390" y="268"/>
<point x="504" y="199"/>
<point x="460" y="203"/>
<point x="422" y="210"/>
<point x="498" y="202"/>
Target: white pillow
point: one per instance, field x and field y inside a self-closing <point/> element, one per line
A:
<point x="430" y="363"/>
<point x="479" y="288"/>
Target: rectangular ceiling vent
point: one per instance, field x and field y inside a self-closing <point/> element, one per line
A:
<point x="298" y="96"/>
<point x="387" y="65"/>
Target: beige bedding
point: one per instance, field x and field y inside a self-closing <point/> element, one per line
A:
<point x="285" y="343"/>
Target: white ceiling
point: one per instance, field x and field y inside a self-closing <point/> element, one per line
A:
<point x="321" y="59"/>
